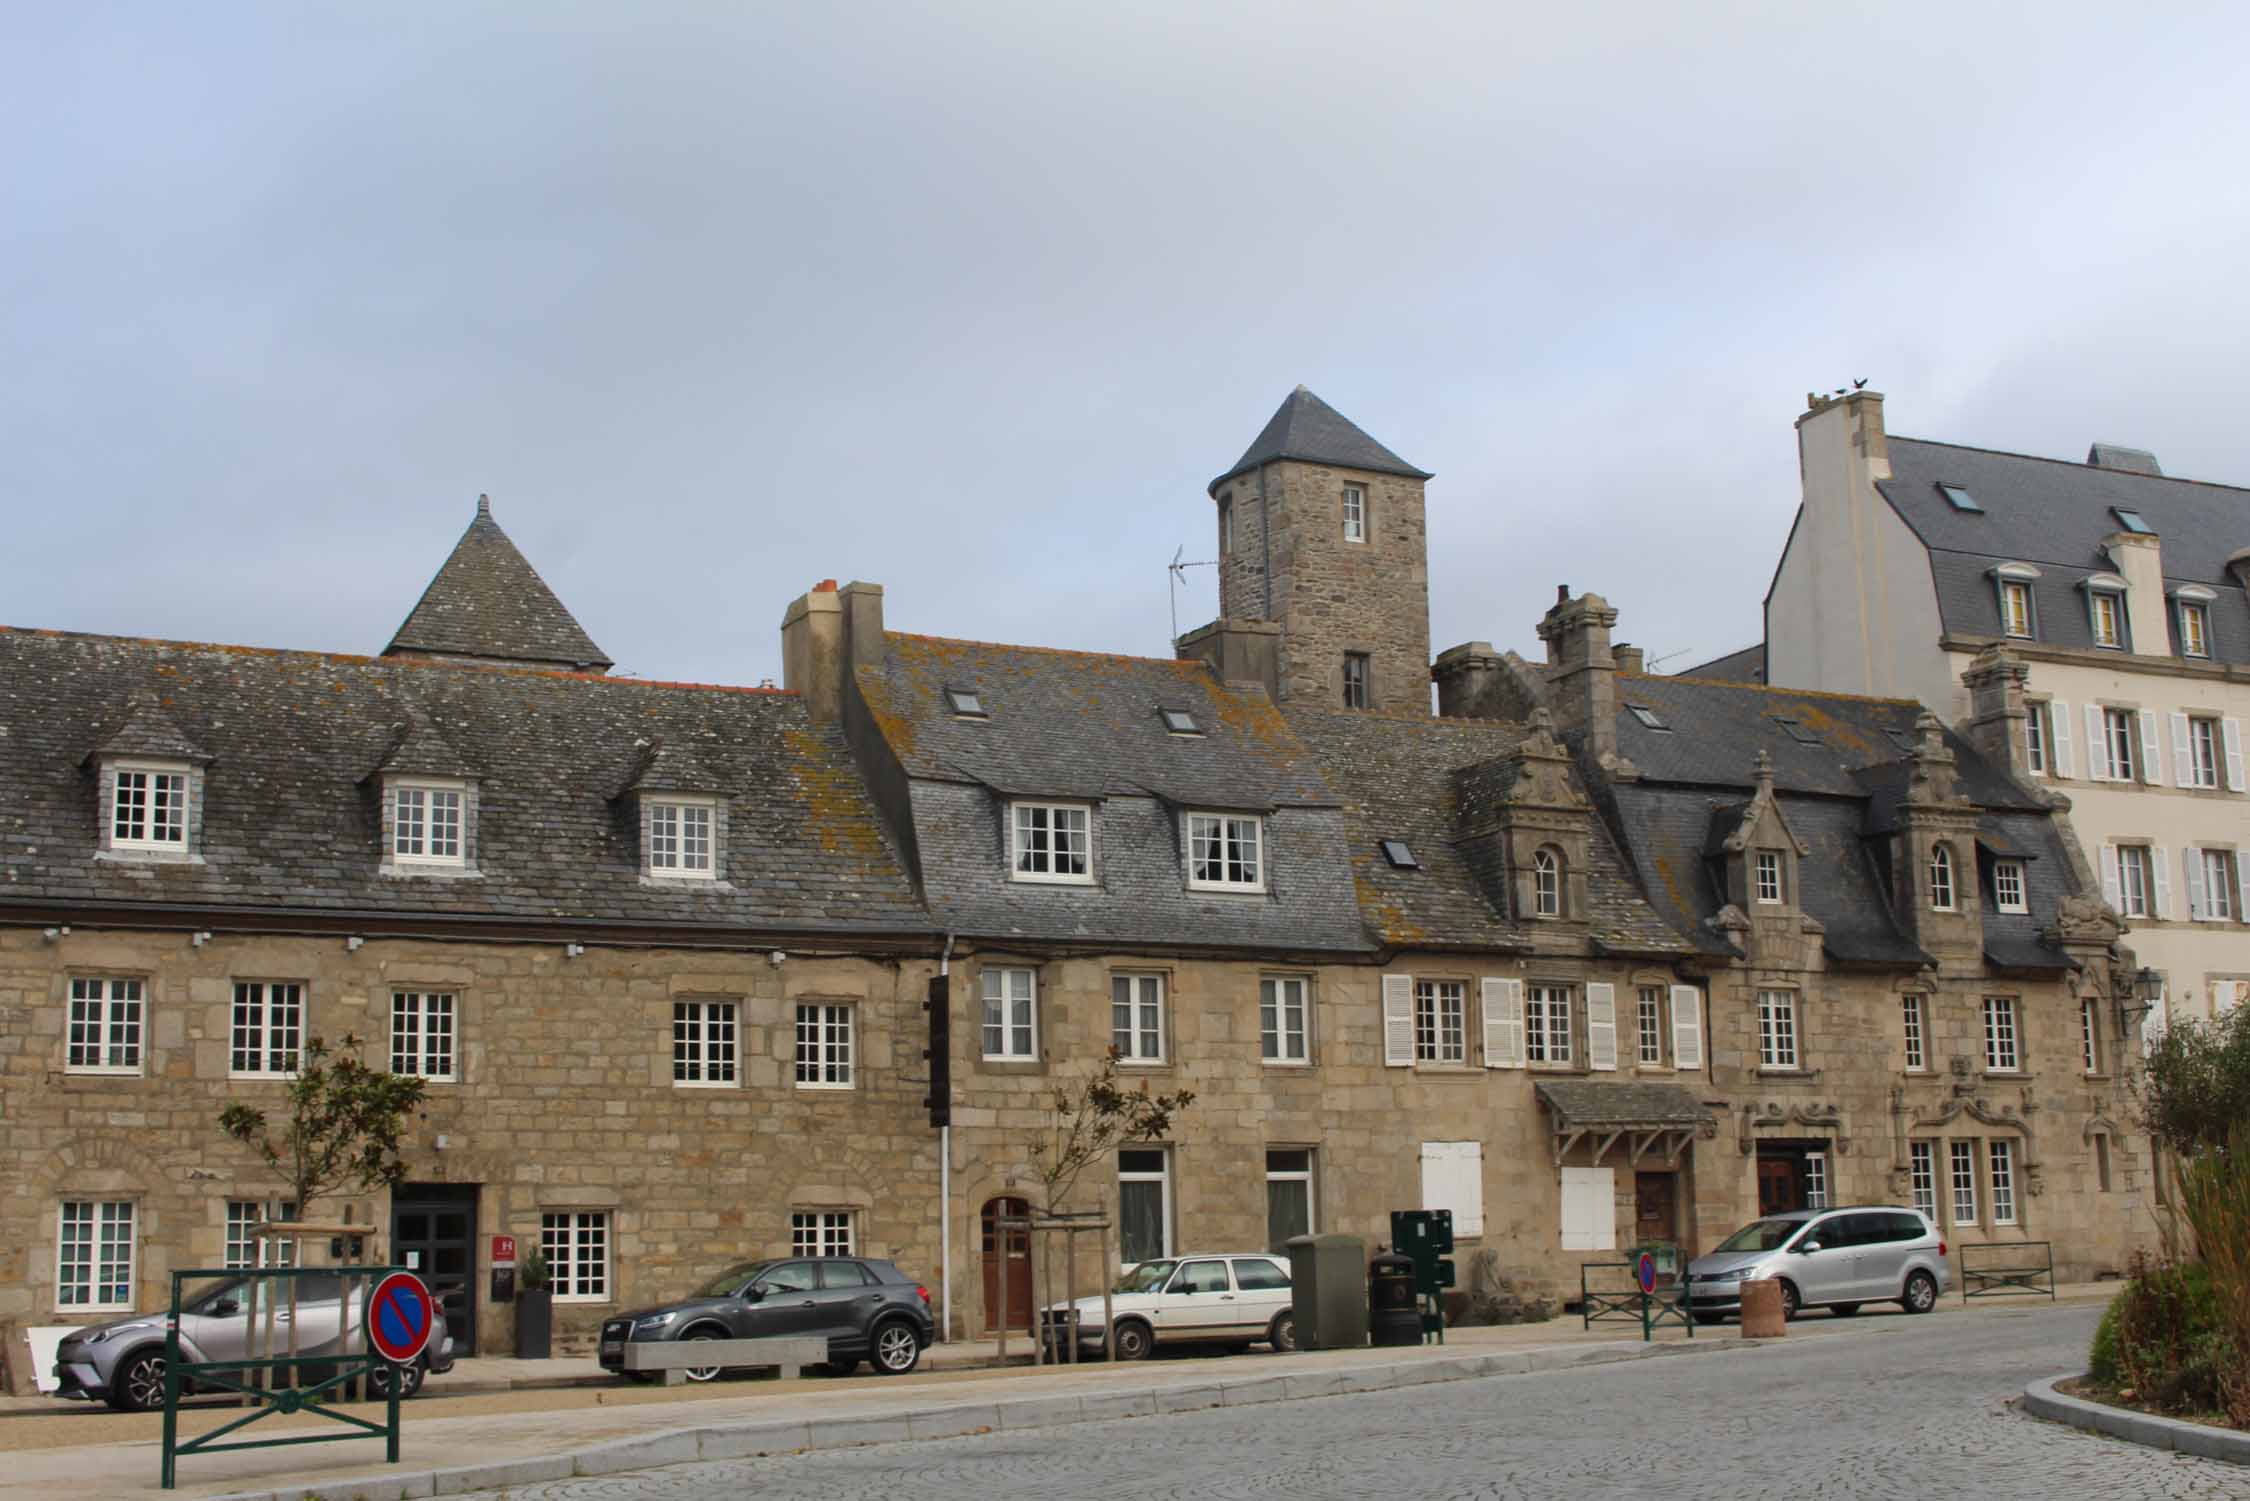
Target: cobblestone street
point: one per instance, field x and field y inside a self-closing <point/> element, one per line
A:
<point x="1896" y="1407"/>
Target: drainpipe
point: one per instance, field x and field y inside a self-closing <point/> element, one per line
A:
<point x="945" y="1178"/>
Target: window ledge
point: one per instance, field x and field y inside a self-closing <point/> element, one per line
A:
<point x="1298" y="1065"/>
<point x="2004" y="1073"/>
<point x="86" y="1071"/>
<point x="825" y="1088"/>
<point x="1766" y="1072"/>
<point x="137" y="856"/>
<point x="411" y="872"/>
<point x="682" y="1083"/>
<point x="671" y="882"/>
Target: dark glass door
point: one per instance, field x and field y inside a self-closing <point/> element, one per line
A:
<point x="434" y="1235"/>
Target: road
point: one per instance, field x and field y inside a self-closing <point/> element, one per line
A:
<point x="1894" y="1407"/>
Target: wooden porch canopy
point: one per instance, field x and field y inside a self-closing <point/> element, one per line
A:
<point x="1661" y="1118"/>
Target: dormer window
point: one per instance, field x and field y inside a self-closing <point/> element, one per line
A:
<point x="1769" y="877"/>
<point x="2019" y="607"/>
<point x="426" y="823"/>
<point x="1941" y="878"/>
<point x="148" y="806"/>
<point x="1546" y="883"/>
<point x="965" y="704"/>
<point x="1052" y="842"/>
<point x="2007" y="886"/>
<point x="2105" y="611"/>
<point x="1225" y="852"/>
<point x="681" y="840"/>
<point x="2192" y="614"/>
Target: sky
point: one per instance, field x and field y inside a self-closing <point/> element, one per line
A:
<point x="973" y="300"/>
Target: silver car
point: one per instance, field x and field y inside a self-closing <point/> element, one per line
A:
<point x="1826" y="1258"/>
<point x="122" y="1361"/>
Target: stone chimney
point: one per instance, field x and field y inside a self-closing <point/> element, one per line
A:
<point x="1629" y="658"/>
<point x="1997" y="716"/>
<point x="812" y="651"/>
<point x="863" y="625"/>
<point x="2139" y="560"/>
<point x="1237" y="651"/>
<point x="1581" y="673"/>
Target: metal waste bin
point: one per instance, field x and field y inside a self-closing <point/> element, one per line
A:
<point x="1328" y="1291"/>
<point x="1394" y="1312"/>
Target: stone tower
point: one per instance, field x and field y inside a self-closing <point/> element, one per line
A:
<point x="1321" y="532"/>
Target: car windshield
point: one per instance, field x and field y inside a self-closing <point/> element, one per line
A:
<point x="1145" y="1278"/>
<point x="731" y="1280"/>
<point x="1761" y="1235"/>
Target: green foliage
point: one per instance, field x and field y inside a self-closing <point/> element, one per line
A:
<point x="2101" y="1358"/>
<point x="344" y="1127"/>
<point x="533" y="1274"/>
<point x="2194" y="1083"/>
<point x="2172" y="1351"/>
<point x="2215" y="1197"/>
<point x="1094" y="1120"/>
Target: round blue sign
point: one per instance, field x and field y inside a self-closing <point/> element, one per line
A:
<point x="1644" y="1272"/>
<point x="399" y="1321"/>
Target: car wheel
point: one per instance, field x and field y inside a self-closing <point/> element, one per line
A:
<point x="1921" y="1293"/>
<point x="1844" y="1310"/>
<point x="1283" y="1335"/>
<point x="1789" y="1303"/>
<point x="410" y="1379"/>
<point x="1134" y="1340"/>
<point x="898" y="1349"/>
<point x="839" y="1367"/>
<point x="702" y="1372"/>
<point x="138" y="1385"/>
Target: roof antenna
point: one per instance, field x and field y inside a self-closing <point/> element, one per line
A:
<point x="1178" y="571"/>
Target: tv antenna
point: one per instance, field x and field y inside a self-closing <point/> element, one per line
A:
<point x="1178" y="571"/>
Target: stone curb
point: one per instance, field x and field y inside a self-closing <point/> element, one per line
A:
<point x="2041" y="1400"/>
<point x="746" y="1439"/>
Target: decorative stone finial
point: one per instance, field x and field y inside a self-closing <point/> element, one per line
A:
<point x="484" y="505"/>
<point x="1762" y="771"/>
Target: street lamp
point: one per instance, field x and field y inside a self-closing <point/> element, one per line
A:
<point x="2147" y="993"/>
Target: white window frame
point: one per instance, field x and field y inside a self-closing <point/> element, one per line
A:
<point x="2195" y="642"/>
<point x="417" y="824"/>
<point x="1004" y="1035"/>
<point x="1038" y="832"/>
<point x="167" y="789"/>
<point x="1547" y="1025"/>
<point x="103" y="1278"/>
<point x="577" y="1245"/>
<point x="425" y="1035"/>
<point x="2217" y="892"/>
<point x="1138" y="999"/>
<point x="1778" y="1044"/>
<point x="280" y="1010"/>
<point x="1961" y="1160"/>
<point x="1162" y="1177"/>
<point x="1237" y="841"/>
<point x="1308" y="1175"/>
<point x="1914" y="1021"/>
<point x="706" y="1042"/>
<point x="2003" y="1037"/>
<point x="1285" y="1021"/>
<point x="1816" y="1180"/>
<point x="826" y="1045"/>
<point x="243" y="1247"/>
<point x="1944" y="887"/>
<point x="2120" y="747"/>
<point x="2037" y="731"/>
<point x="2018" y="624"/>
<point x="821" y="1233"/>
<point x="2000" y="1163"/>
<point x="1921" y="1169"/>
<point x="676" y="827"/>
<point x="2201" y="768"/>
<point x="1355" y="513"/>
<point x="1768" y="888"/>
<point x="1649" y="1029"/>
<point x="1358" y="694"/>
<point x="2133" y="862"/>
<point x="107" y="1032"/>
<point x="2007" y="886"/>
<point x="1546" y="882"/>
<point x="2105" y="613"/>
<point x="2090" y="1035"/>
<point x="1441" y="1023"/>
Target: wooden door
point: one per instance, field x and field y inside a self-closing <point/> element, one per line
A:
<point x="1007" y="1262"/>
<point x="1780" y="1188"/>
<point x="1655" y="1207"/>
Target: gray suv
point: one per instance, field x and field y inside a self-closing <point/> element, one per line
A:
<point x="1826" y="1258"/>
<point x="866" y="1310"/>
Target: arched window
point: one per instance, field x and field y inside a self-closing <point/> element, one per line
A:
<point x="1546" y="884"/>
<point x="1941" y="878"/>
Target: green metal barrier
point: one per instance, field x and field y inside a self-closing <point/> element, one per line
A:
<point x="333" y="1373"/>
<point x="1664" y="1301"/>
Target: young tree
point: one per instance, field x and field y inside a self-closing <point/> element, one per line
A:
<point x="2194" y="1084"/>
<point x="344" y="1127"/>
<point x="1092" y="1120"/>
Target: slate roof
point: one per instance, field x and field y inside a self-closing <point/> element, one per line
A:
<point x="2053" y="515"/>
<point x="1745" y="666"/>
<point x="1590" y="1102"/>
<point x="1306" y="428"/>
<point x="290" y="808"/>
<point x="489" y="603"/>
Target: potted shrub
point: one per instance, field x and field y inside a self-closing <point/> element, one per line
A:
<point x="535" y="1309"/>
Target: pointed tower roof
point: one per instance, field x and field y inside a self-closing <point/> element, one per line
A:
<point x="487" y="603"/>
<point x="1310" y="430"/>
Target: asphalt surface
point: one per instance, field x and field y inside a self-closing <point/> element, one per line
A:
<point x="1895" y="1407"/>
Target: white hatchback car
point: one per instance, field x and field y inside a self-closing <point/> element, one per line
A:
<point x="1226" y="1298"/>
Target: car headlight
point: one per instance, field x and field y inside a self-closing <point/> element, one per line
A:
<point x="100" y="1335"/>
<point x="653" y="1321"/>
<point x="1733" y="1276"/>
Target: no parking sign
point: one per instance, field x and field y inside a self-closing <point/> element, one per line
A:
<point x="400" y="1318"/>
<point x="1644" y="1271"/>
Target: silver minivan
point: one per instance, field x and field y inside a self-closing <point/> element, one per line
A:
<point x="1826" y="1258"/>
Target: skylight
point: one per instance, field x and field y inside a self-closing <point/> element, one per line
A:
<point x="1795" y="731"/>
<point x="2131" y="521"/>
<point x="1402" y="858"/>
<point x="1648" y="716"/>
<point x="1960" y="499"/>
<point x="965" y="703"/>
<point x="1180" y="722"/>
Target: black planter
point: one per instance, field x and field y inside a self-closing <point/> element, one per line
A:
<point x="535" y="1324"/>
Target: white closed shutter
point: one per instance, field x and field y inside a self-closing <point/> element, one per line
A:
<point x="2230" y="730"/>
<point x="2161" y="879"/>
<point x="2183" y="754"/>
<point x="1503" y="1024"/>
<point x="1601" y="1027"/>
<point x="2192" y="862"/>
<point x="2242" y="883"/>
<point x="2097" y="745"/>
<point x="1687" y="1026"/>
<point x="2113" y="885"/>
<point x="2066" y="732"/>
<point x="1453" y="1178"/>
<point x="1398" y="1021"/>
<point x="1589" y="1209"/>
<point x="2152" y="768"/>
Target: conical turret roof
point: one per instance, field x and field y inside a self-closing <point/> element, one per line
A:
<point x="1310" y="430"/>
<point x="488" y="603"/>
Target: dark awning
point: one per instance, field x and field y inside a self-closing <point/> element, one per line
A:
<point x="1646" y="1116"/>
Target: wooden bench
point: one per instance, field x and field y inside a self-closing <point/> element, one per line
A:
<point x="2025" y="1263"/>
<point x="787" y="1354"/>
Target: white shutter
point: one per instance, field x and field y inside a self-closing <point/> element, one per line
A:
<point x="1398" y="1021"/>
<point x="2113" y="885"/>
<point x="1687" y="1027"/>
<point x="2242" y="884"/>
<point x="1601" y="1027"/>
<point x="2152" y="768"/>
<point x="2097" y="746"/>
<point x="1453" y="1178"/>
<point x="2193" y="863"/>
<point x="2159" y="857"/>
<point x="1503" y="1024"/>
<point x="1589" y="1209"/>
<point x="2066" y="734"/>
<point x="2231" y="730"/>
<point x="2183" y="754"/>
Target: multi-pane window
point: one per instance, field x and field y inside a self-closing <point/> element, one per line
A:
<point x="2120" y="736"/>
<point x="1053" y="842"/>
<point x="1144" y="1204"/>
<point x="705" y="1045"/>
<point x="1769" y="876"/>
<point x="1284" y="1021"/>
<point x="2015" y="607"/>
<point x="1355" y="680"/>
<point x="1651" y="1030"/>
<point x="148" y="808"/>
<point x="1355" y="513"/>
<point x="2217" y="895"/>
<point x="2132" y="880"/>
<point x="2195" y="630"/>
<point x="2203" y="752"/>
<point x="1816" y="1180"/>
<point x="1223" y="852"/>
<point x="425" y="823"/>
<point x="2108" y="617"/>
<point x="106" y="1023"/>
<point x="2001" y="1052"/>
<point x="244" y="1246"/>
<point x="2090" y="1034"/>
<point x="576" y="1245"/>
<point x="1914" y="1016"/>
<point x="2037" y="736"/>
<point x="1546" y="884"/>
<point x="824" y="1046"/>
<point x="1941" y="878"/>
<point x="422" y="1034"/>
<point x="1777" y="1028"/>
<point x="820" y="1232"/>
<point x="94" y="1254"/>
<point x="1441" y="1021"/>
<point x="1922" y="1172"/>
<point x="679" y="839"/>
<point x="1964" y="1164"/>
<point x="269" y="1024"/>
<point x="1136" y="1017"/>
<point x="2007" y="886"/>
<point x="1289" y="1195"/>
<point x="2000" y="1156"/>
<point x="1546" y="1024"/>
<point x="1011" y="1012"/>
